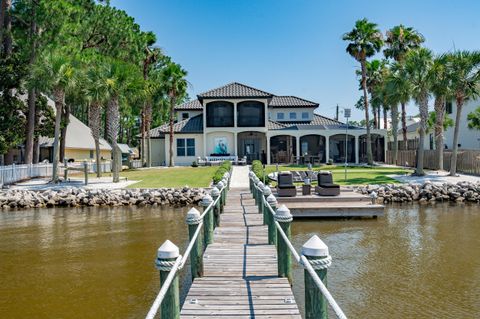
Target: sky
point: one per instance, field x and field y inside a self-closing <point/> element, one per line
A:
<point x="292" y="47"/>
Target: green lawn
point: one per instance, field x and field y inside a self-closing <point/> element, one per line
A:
<point x="356" y="174"/>
<point x="170" y="177"/>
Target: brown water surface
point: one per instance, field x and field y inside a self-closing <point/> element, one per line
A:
<point x="416" y="262"/>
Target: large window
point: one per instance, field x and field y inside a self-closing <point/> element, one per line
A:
<point x="185" y="147"/>
<point x="220" y="114"/>
<point x="250" y="114"/>
<point x="280" y="116"/>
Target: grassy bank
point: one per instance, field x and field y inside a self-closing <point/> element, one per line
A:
<point x="169" y="177"/>
<point x="356" y="174"/>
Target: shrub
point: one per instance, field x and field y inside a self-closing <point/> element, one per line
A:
<point x="225" y="167"/>
<point x="194" y="164"/>
<point x="257" y="168"/>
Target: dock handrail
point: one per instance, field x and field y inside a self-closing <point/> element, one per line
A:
<point x="262" y="195"/>
<point x="169" y="262"/>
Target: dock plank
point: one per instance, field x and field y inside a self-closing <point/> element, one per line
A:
<point x="240" y="270"/>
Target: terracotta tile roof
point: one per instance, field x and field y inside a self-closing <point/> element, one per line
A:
<point x="291" y="101"/>
<point x="190" y="125"/>
<point x="190" y="105"/>
<point x="272" y="125"/>
<point x="235" y="90"/>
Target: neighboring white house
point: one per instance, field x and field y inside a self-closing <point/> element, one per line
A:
<point x="239" y="120"/>
<point x="468" y="138"/>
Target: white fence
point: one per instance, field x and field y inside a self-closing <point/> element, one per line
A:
<point x="14" y="173"/>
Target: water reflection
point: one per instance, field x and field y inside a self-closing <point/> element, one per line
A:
<point x="416" y="262"/>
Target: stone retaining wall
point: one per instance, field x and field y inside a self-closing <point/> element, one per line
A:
<point x="75" y="197"/>
<point x="423" y="193"/>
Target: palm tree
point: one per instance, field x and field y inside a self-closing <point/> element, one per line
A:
<point x="365" y="40"/>
<point x="120" y="78"/>
<point x="465" y="74"/>
<point x="474" y="119"/>
<point x="399" y="41"/>
<point x="441" y="89"/>
<point x="96" y="93"/>
<point x="418" y="64"/>
<point x="54" y="73"/>
<point x="173" y="80"/>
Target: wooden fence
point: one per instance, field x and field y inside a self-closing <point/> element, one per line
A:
<point x="468" y="161"/>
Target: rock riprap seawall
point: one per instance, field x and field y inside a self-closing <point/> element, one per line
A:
<point x="74" y="197"/>
<point x="423" y="193"/>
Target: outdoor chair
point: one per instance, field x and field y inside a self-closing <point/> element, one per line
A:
<point x="242" y="161"/>
<point x="326" y="187"/>
<point x="285" y="186"/>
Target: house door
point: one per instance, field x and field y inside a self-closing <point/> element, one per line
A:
<point x="250" y="150"/>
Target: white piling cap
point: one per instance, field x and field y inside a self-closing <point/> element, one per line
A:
<point x="267" y="191"/>
<point x="226" y="175"/>
<point x="215" y="192"/>
<point x="250" y="174"/>
<point x="283" y="211"/>
<point x="206" y="200"/>
<point x="271" y="199"/>
<point x="261" y="185"/>
<point x="193" y="213"/>
<point x="256" y="179"/>
<point x="315" y="247"/>
<point x="224" y="181"/>
<point x="168" y="250"/>
<point x="220" y="185"/>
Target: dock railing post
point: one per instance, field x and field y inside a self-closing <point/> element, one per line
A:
<point x="207" y="220"/>
<point x="219" y="186"/>
<point x="224" y="193"/>
<point x="266" y="192"/>
<point x="196" y="255"/>
<point x="255" y="190"/>
<point x="65" y="171"/>
<point x="217" y="209"/>
<point x="166" y="256"/>
<point x="284" y="218"/>
<point x="272" y="230"/>
<point x="316" y="305"/>
<point x="260" y="186"/>
<point x="250" y="181"/>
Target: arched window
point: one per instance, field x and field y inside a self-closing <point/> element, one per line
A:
<point x="250" y="114"/>
<point x="220" y="114"/>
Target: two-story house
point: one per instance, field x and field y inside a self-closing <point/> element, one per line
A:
<point x="239" y="120"/>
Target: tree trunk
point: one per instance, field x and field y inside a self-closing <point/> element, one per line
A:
<point x="367" y="115"/>
<point x="394" y="110"/>
<point x="172" y="106"/>
<point x="113" y="125"/>
<point x="148" y="122"/>
<point x="404" y="126"/>
<point x="385" y="117"/>
<point x="6" y="27"/>
<point x="59" y="97"/>
<point x="142" y="129"/>
<point x="453" y="163"/>
<point x="439" y="119"/>
<point x="422" y="129"/>
<point x="375" y="121"/>
<point x="94" y="119"/>
<point x="379" y="116"/>
<point x="36" y="151"/>
<point x="32" y="96"/>
<point x="63" y="132"/>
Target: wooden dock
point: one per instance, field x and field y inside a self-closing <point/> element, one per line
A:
<point x="240" y="269"/>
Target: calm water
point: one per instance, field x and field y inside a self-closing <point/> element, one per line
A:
<point x="416" y="262"/>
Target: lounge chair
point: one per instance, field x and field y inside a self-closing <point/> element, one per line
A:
<point x="285" y="186"/>
<point x="326" y="187"/>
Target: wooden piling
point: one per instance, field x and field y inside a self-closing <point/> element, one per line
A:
<point x="284" y="218"/>
<point x="272" y="230"/>
<point x="316" y="305"/>
<point x="266" y="192"/>
<point x="166" y="256"/>
<point x="196" y="255"/>
<point x="85" y="168"/>
<point x="217" y="209"/>
<point x="207" y="220"/>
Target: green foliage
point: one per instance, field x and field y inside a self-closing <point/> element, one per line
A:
<point x="257" y="168"/>
<point x="12" y="109"/>
<point x="364" y="40"/>
<point x="474" y="119"/>
<point x="400" y="40"/>
<point x="225" y="167"/>
<point x="432" y="118"/>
